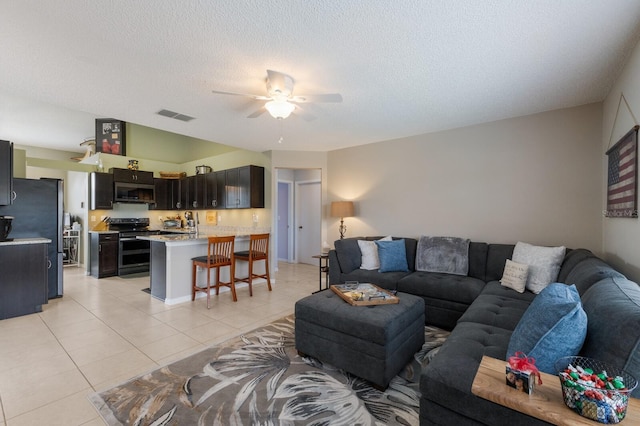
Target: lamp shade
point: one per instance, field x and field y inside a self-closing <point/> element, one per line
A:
<point x="342" y="208"/>
<point x="279" y="108"/>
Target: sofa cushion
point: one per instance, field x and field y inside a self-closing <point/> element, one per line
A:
<point x="441" y="286"/>
<point x="613" y="308"/>
<point x="348" y="254"/>
<point x="497" y="254"/>
<point x="571" y="259"/>
<point x="387" y="280"/>
<point x="515" y="276"/>
<point x="544" y="264"/>
<point x="589" y="272"/>
<point x="498" y="306"/>
<point x="554" y="325"/>
<point x="393" y="256"/>
<point x="443" y="254"/>
<point x="447" y="379"/>
<point x="369" y="254"/>
<point x="477" y="259"/>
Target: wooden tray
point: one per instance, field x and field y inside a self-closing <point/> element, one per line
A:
<point x="364" y="294"/>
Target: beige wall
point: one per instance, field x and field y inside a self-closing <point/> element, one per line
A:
<point x="535" y="178"/>
<point x="621" y="235"/>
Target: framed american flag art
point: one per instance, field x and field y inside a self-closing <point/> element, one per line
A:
<point x="622" y="180"/>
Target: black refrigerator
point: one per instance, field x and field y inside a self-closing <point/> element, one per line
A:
<point x="38" y="212"/>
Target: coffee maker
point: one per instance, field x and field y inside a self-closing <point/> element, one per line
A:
<point x="5" y="227"/>
<point x="190" y="222"/>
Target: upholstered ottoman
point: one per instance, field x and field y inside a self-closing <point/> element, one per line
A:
<point x="371" y="342"/>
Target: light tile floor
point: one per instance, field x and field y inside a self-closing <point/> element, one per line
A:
<point x="103" y="332"/>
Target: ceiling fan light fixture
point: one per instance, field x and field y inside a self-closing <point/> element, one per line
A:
<point x="279" y="109"/>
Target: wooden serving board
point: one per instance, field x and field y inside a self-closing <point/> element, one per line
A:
<point x="364" y="294"/>
<point x="545" y="403"/>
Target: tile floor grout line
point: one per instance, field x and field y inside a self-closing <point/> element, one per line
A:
<point x="78" y="367"/>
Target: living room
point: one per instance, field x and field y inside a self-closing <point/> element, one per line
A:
<point x="534" y="176"/>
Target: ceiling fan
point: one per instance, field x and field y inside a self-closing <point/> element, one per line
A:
<point x="280" y="99"/>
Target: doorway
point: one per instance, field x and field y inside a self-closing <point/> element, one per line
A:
<point x="298" y="215"/>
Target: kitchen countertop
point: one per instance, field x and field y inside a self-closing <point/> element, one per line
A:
<point x="192" y="237"/>
<point x="21" y="241"/>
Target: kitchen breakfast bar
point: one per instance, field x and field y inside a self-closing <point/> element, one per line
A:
<point x="170" y="264"/>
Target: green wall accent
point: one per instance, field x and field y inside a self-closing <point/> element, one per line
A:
<point x="154" y="144"/>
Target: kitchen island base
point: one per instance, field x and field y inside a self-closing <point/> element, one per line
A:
<point x="170" y="269"/>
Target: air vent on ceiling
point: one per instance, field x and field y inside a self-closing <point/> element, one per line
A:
<point x="176" y="115"/>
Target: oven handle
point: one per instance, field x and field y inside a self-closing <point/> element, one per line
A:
<point x="128" y="239"/>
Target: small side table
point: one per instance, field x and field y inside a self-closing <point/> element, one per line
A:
<point x="323" y="266"/>
<point x="545" y="403"/>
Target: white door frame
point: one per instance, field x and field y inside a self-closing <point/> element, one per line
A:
<point x="290" y="223"/>
<point x="297" y="185"/>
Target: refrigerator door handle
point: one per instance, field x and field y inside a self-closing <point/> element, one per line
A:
<point x="49" y="264"/>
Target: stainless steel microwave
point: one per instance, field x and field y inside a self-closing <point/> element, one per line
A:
<point x="134" y="193"/>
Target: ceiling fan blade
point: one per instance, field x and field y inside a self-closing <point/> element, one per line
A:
<point x="257" y="113"/>
<point x="327" y="97"/>
<point x="279" y="83"/>
<point x="300" y="112"/>
<point x="256" y="97"/>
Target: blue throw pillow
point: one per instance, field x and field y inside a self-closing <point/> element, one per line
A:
<point x="553" y="326"/>
<point x="393" y="256"/>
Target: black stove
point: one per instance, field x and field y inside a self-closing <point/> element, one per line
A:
<point x="129" y="224"/>
<point x="133" y="253"/>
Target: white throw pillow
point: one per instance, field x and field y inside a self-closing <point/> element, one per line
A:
<point x="544" y="264"/>
<point x="515" y="276"/>
<point x="369" y="251"/>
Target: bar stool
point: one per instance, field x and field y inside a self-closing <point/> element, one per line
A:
<point x="258" y="250"/>
<point x="219" y="254"/>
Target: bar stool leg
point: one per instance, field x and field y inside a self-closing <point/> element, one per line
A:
<point x="208" y="287"/>
<point x="193" y="281"/>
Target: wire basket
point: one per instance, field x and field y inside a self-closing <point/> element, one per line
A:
<point x="594" y="389"/>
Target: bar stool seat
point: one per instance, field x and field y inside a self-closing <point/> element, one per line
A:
<point x="258" y="250"/>
<point x="219" y="254"/>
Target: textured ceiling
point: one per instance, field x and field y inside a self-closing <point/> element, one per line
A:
<point x="405" y="67"/>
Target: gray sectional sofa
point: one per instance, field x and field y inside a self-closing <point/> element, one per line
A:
<point x="482" y="314"/>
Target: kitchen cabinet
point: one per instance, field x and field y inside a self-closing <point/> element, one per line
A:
<point x="101" y="191"/>
<point x="214" y="195"/>
<point x="168" y="193"/>
<point x="163" y="195"/>
<point x="6" y="173"/>
<point x="103" y="254"/>
<point x="197" y="191"/>
<point x="24" y="285"/>
<point x="132" y="176"/>
<point x="244" y="187"/>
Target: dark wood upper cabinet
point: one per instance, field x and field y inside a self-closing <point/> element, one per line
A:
<point x="214" y="193"/>
<point x="101" y="191"/>
<point x="6" y="173"/>
<point x="132" y="176"/>
<point x="163" y="195"/>
<point x="197" y="191"/>
<point x="244" y="187"/>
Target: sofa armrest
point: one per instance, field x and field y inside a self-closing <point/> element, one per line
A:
<point x="334" y="268"/>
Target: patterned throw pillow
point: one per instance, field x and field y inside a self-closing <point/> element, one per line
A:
<point x="544" y="264"/>
<point x="515" y="276"/>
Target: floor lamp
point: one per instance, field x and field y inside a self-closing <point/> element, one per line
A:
<point x="342" y="209"/>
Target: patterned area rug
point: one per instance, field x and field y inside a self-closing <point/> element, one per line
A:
<point x="259" y="379"/>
